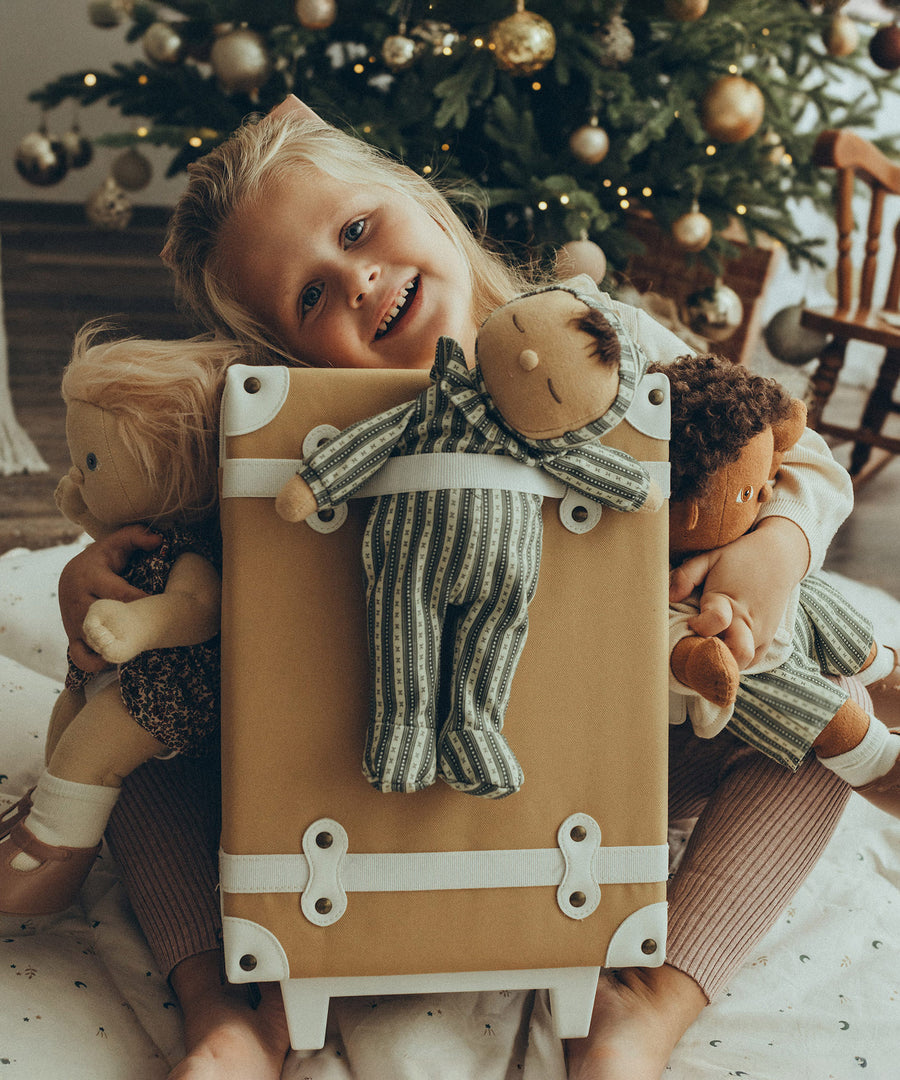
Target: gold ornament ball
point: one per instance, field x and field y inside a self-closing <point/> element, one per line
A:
<point x="841" y="36"/>
<point x="316" y="14"/>
<point x="107" y="13"/>
<point x="109" y="207"/>
<point x="714" y="312"/>
<point x="41" y="159"/>
<point x="131" y="170"/>
<point x="686" y="10"/>
<point x="884" y="47"/>
<point x="162" y="43"/>
<point x="732" y="109"/>
<point x="79" y="150"/>
<point x="790" y="342"/>
<point x="581" y="257"/>
<point x="523" y="43"/>
<point x="240" y="61"/>
<point x="589" y="143"/>
<point x="692" y="231"/>
<point x="398" y="51"/>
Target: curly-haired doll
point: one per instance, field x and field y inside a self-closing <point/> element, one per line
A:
<point x="730" y="431"/>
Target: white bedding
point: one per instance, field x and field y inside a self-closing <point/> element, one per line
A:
<point x="82" y="1000"/>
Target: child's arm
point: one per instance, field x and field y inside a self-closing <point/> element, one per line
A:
<point x="185" y="613"/>
<point x="93" y="574"/>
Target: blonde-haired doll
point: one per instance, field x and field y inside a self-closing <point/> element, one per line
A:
<point x="141" y="427"/>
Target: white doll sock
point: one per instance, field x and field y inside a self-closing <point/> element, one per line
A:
<point x="66" y="814"/>
<point x="872" y="758"/>
<point x="883" y="664"/>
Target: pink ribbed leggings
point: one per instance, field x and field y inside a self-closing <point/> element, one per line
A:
<point x="759" y="831"/>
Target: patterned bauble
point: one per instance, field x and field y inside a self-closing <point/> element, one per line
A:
<point x="686" y="10"/>
<point x="41" y="159"/>
<point x="589" y="143"/>
<point x="438" y="36"/>
<point x="79" y="150"/>
<point x="693" y="230"/>
<point x="884" y="47"/>
<point x="109" y="207"/>
<point x="398" y="51"/>
<point x="790" y="342"/>
<point x="131" y="170"/>
<point x="316" y="14"/>
<point x="581" y="257"/>
<point x="108" y="13"/>
<point x="240" y="61"/>
<point x="523" y="43"/>
<point x="841" y="35"/>
<point x="714" y="312"/>
<point x="616" y="43"/>
<point x="162" y="44"/>
<point x="732" y="109"/>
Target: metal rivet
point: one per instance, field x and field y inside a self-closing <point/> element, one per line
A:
<point x="323" y="905"/>
<point x="656" y="397"/>
<point x="252" y="385"/>
<point x="579" y="514"/>
<point x="648" y="946"/>
<point x="324" y="840"/>
<point x="577" y="899"/>
<point x="247" y="962"/>
<point x="326" y="515"/>
<point x="578" y="833"/>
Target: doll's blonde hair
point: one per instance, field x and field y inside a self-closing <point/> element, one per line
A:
<point x="261" y="154"/>
<point x="165" y="398"/>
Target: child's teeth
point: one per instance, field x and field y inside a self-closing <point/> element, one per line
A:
<point x="398" y="304"/>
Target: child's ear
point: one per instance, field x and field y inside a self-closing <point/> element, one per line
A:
<point x="293" y="104"/>
<point x="788" y="431"/>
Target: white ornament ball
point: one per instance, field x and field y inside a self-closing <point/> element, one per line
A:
<point x="581" y="257"/>
<point x="790" y="342"/>
<point x="109" y="207"/>
<point x="79" y="150"/>
<point x="589" y="143"/>
<point x="714" y="312"/>
<point x="398" y="51"/>
<point x="316" y="14"/>
<point x="162" y="43"/>
<point x="240" y="61"/>
<point x="692" y="231"/>
<point x="841" y="36"/>
<point x="41" y="159"/>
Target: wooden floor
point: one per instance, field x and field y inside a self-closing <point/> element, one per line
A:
<point x="57" y="273"/>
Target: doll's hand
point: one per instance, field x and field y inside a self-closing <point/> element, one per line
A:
<point x="654" y="499"/>
<point x="746" y="586"/>
<point x="295" y="501"/>
<point x="112" y="630"/>
<point x="95" y="574"/>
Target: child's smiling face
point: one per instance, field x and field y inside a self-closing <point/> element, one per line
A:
<point x="348" y="275"/>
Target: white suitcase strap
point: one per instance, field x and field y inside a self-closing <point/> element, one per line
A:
<point x="327" y="870"/>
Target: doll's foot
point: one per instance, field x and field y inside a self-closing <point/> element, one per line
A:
<point x="705" y="665"/>
<point x="51" y="885"/>
<point x="884" y="792"/>
<point x="885" y="694"/>
<point x="479" y="761"/>
<point x="400" y="757"/>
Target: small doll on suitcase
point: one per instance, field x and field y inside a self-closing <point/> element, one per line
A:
<point x="456" y="568"/>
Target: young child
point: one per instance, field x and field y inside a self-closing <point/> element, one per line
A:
<point x="311" y="246"/>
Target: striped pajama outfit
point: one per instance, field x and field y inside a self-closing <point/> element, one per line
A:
<point x="453" y="571"/>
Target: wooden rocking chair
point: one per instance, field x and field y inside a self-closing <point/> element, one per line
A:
<point x="854" y="157"/>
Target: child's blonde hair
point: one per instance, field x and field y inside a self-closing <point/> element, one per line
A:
<point x="165" y="397"/>
<point x="262" y="153"/>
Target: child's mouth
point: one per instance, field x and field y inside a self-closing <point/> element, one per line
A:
<point x="399" y="308"/>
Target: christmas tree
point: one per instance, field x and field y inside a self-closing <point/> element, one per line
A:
<point x="572" y="115"/>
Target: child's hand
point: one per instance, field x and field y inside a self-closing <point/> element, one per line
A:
<point x="746" y="586"/>
<point x="295" y="501"/>
<point x="111" y="630"/>
<point x="94" y="574"/>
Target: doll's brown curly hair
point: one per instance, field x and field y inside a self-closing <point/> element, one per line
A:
<point x="717" y="408"/>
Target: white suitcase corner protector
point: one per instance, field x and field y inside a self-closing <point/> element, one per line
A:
<point x="253" y="397"/>
<point x="252" y="953"/>
<point x="650" y="411"/>
<point x="640" y="940"/>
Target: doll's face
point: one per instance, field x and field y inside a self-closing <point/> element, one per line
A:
<point x="541" y="369"/>
<point x="113" y="486"/>
<point x="729" y="506"/>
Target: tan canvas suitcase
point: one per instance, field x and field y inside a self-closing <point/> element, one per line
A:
<point x="333" y="888"/>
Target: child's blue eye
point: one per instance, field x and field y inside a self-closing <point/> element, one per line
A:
<point x="354" y="231"/>
<point x="310" y="297"/>
<point x="91" y="461"/>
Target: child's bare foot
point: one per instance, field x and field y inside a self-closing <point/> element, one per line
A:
<point x="639" y="1016"/>
<point x="226" y="1039"/>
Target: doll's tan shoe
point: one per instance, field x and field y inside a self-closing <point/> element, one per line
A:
<point x="14" y="814"/>
<point x="885" y="791"/>
<point x="48" y="888"/>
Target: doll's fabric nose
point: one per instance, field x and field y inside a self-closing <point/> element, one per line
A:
<point x="76" y="475"/>
<point x="528" y="359"/>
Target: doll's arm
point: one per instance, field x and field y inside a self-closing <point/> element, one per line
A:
<point x="608" y="476"/>
<point x="186" y="613"/>
<point x="95" y="573"/>
<point x="295" y="501"/>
